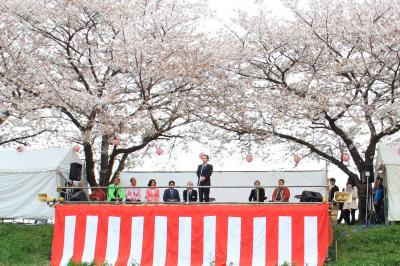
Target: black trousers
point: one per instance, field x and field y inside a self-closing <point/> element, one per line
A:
<point x="204" y="194"/>
<point x="380" y="213"/>
<point x="350" y="220"/>
<point x="341" y="217"/>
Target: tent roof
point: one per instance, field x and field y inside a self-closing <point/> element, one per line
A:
<point x="37" y="160"/>
<point x="388" y="153"/>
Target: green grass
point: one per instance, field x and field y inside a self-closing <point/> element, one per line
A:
<point x="25" y="244"/>
<point x="377" y="245"/>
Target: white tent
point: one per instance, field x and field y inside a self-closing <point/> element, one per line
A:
<point x="300" y="179"/>
<point x="23" y="175"/>
<point x="388" y="164"/>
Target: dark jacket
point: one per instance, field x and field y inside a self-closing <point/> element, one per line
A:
<point x="171" y="195"/>
<point x="205" y="171"/>
<point x="193" y="196"/>
<point x="261" y="195"/>
<point x="332" y="192"/>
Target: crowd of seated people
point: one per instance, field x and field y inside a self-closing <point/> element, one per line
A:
<point x="132" y="194"/>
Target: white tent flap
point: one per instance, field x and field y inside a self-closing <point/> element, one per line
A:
<point x="393" y="188"/>
<point x="388" y="159"/>
<point x="23" y="175"/>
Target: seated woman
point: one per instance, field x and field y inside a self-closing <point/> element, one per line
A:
<point x="133" y="193"/>
<point x="78" y="193"/>
<point x="152" y="193"/>
<point x="98" y="194"/>
<point x="258" y="193"/>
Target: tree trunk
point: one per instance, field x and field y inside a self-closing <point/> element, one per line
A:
<point x="104" y="157"/>
<point x="89" y="159"/>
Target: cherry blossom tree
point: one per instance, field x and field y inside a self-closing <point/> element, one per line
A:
<point x="19" y="106"/>
<point x="324" y="81"/>
<point x="121" y="74"/>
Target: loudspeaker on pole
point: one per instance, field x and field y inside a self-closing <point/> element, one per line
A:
<point x="367" y="173"/>
<point x="75" y="172"/>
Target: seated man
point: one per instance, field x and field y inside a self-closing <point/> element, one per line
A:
<point x="115" y="192"/>
<point x="133" y="193"/>
<point x="189" y="194"/>
<point x="281" y="193"/>
<point x="79" y="194"/>
<point x="67" y="192"/>
<point x="171" y="194"/>
<point x="98" y="194"/>
<point x="258" y="193"/>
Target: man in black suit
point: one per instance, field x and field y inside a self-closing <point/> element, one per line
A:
<point x="171" y="194"/>
<point x="204" y="172"/>
<point x="257" y="194"/>
<point x="190" y="194"/>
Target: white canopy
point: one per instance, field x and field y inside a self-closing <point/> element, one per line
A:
<point x="23" y="175"/>
<point x="388" y="161"/>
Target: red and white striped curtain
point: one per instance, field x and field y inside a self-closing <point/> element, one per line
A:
<point x="191" y="235"/>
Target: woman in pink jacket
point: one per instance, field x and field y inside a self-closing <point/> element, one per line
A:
<point x="152" y="193"/>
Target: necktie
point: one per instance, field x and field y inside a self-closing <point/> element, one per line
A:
<point x="190" y="194"/>
<point x="171" y="192"/>
<point x="258" y="195"/>
<point x="202" y="168"/>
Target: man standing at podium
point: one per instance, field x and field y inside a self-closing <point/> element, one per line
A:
<point x="204" y="172"/>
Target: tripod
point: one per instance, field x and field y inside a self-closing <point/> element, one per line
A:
<point x="370" y="213"/>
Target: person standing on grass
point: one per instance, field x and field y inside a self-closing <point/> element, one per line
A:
<point x="332" y="189"/>
<point x="351" y="207"/>
<point x="379" y="197"/>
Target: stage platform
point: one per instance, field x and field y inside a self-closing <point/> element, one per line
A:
<point x="221" y="234"/>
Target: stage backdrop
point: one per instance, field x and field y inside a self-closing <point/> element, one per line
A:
<point x="235" y="178"/>
<point x="191" y="235"/>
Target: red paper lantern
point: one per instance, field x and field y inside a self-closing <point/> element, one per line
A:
<point x="76" y="148"/>
<point x="249" y="158"/>
<point x="296" y="158"/>
<point x="201" y="155"/>
<point x="20" y="148"/>
<point x="159" y="151"/>
<point x="345" y="157"/>
<point x="117" y="141"/>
